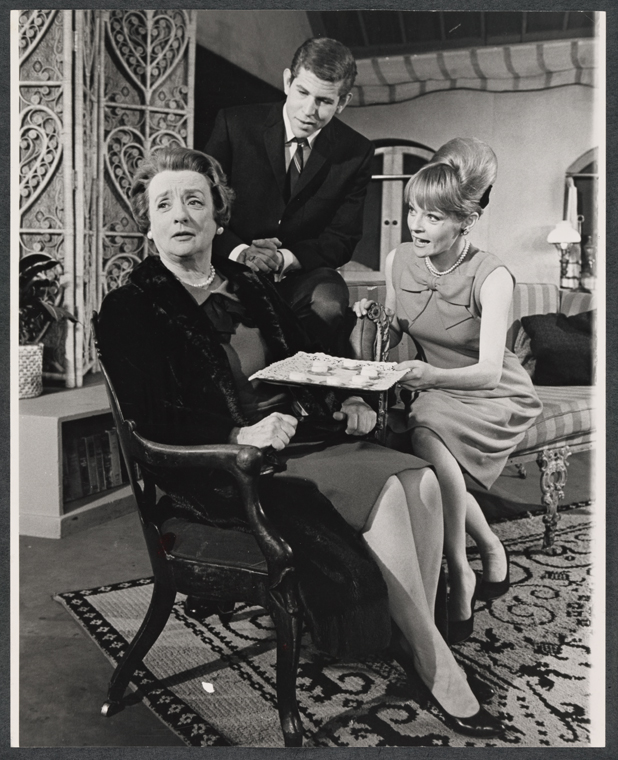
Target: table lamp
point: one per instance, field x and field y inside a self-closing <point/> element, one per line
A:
<point x="563" y="236"/>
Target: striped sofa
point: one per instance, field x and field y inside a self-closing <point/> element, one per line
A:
<point x="567" y="424"/>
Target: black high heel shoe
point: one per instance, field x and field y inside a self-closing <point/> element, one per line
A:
<point x="489" y="590"/>
<point x="461" y="630"/>
<point x="481" y="723"/>
<point x="481" y="690"/>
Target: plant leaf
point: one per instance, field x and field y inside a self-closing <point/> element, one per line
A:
<point x="57" y="312"/>
<point x="33" y="258"/>
<point x="28" y="274"/>
<point x="36" y="260"/>
<point x="33" y="286"/>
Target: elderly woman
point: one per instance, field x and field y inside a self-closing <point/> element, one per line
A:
<point x="180" y="341"/>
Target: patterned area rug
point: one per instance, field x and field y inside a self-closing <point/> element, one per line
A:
<point x="214" y="684"/>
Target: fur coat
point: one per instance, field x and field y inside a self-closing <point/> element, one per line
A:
<point x="172" y="377"/>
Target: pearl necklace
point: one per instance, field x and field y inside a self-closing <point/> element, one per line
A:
<point x="462" y="256"/>
<point x="204" y="283"/>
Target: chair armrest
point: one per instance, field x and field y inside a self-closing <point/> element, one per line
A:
<point x="244" y="464"/>
<point x="233" y="457"/>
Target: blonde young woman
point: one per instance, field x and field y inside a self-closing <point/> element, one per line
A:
<point x="474" y="400"/>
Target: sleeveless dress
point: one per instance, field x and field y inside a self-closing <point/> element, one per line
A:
<point x="443" y="314"/>
<point x="351" y="474"/>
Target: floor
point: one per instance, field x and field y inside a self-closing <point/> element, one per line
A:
<point x="64" y="676"/>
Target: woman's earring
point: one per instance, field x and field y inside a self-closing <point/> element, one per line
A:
<point x="465" y="230"/>
<point x="219" y="230"/>
<point x="149" y="235"/>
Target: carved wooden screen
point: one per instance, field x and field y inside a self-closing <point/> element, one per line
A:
<point x="88" y="92"/>
<point x="98" y="90"/>
<point x="46" y="161"/>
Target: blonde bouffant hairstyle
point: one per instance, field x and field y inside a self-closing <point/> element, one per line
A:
<point x="457" y="179"/>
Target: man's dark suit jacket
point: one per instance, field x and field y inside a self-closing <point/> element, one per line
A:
<point x="323" y="221"/>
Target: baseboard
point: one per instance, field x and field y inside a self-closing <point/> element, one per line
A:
<point x="100" y="509"/>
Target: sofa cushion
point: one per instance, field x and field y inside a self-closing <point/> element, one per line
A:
<point x="562" y="347"/>
<point x="523" y="351"/>
<point x="568" y="417"/>
<point x="531" y="298"/>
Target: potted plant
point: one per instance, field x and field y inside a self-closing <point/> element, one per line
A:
<point x="37" y="310"/>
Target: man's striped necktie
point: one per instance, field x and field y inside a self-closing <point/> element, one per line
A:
<point x="297" y="164"/>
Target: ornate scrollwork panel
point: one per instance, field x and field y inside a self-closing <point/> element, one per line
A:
<point x="147" y="104"/>
<point x="124" y="152"/>
<point x="33" y="26"/>
<point x="43" y="146"/>
<point x="117" y="217"/>
<point x="47" y="95"/>
<point x="149" y="43"/>
<point x="132" y="91"/>
<point x="51" y="243"/>
<point x="90" y="90"/>
<point x="118" y="268"/>
<point x="174" y="95"/>
<point x="119" y="244"/>
<point x="168" y="137"/>
<point x="48" y="211"/>
<point x="40" y="152"/>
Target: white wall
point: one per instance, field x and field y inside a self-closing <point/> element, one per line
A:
<point x="536" y="136"/>
<point x="260" y="42"/>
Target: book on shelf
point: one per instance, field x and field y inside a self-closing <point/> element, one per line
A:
<point x="98" y="451"/>
<point x="115" y="457"/>
<point x="83" y="466"/>
<point x="107" y="460"/>
<point x="92" y="464"/>
<point x="73" y="488"/>
<point x="92" y="459"/>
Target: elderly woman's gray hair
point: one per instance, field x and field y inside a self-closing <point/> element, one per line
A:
<point x="176" y="158"/>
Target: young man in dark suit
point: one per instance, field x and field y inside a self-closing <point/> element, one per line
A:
<point x="300" y="177"/>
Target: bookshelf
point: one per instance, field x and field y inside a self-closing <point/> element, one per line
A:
<point x="48" y="507"/>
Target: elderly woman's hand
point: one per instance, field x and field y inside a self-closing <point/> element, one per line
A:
<point x="420" y="374"/>
<point x="360" y="416"/>
<point x="276" y="430"/>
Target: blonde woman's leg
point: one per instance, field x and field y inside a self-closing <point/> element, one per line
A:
<point x="404" y="535"/>
<point x="491" y="550"/>
<point x="429" y="446"/>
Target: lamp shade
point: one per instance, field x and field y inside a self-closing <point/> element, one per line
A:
<point x="563" y="233"/>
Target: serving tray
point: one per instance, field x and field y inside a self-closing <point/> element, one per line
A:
<point x="322" y="369"/>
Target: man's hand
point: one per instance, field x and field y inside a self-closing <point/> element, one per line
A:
<point x="360" y="416"/>
<point x="276" y="430"/>
<point x="263" y="256"/>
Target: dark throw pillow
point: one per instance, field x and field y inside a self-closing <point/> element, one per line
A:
<point x="562" y="347"/>
<point x="523" y="351"/>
